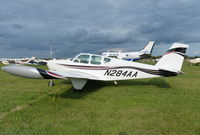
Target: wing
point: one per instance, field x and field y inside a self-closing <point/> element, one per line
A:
<point x="79" y="79"/>
<point x="32" y="72"/>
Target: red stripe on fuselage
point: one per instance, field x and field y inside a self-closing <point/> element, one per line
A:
<point x="87" y="67"/>
<point x="53" y="74"/>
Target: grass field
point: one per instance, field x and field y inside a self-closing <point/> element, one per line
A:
<point x="161" y="106"/>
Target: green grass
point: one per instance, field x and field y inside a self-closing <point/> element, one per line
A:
<point x="161" y="106"/>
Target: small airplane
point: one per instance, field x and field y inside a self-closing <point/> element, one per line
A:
<point x="132" y="56"/>
<point x="36" y="61"/>
<point x="195" y="61"/>
<point x="24" y="61"/>
<point x="7" y="61"/>
<point x="87" y="66"/>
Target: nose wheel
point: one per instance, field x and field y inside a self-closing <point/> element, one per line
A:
<point x="115" y="82"/>
<point x="51" y="83"/>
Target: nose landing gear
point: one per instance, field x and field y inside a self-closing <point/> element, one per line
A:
<point x="115" y="82"/>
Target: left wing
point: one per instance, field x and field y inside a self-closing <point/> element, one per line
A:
<point x="78" y="79"/>
<point x="36" y="73"/>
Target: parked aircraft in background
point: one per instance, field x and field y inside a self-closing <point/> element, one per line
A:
<point x="86" y="67"/>
<point x="195" y="61"/>
<point x="36" y="61"/>
<point x="24" y="61"/>
<point x="7" y="61"/>
<point x="132" y="56"/>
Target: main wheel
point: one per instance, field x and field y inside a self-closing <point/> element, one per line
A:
<point x="51" y="83"/>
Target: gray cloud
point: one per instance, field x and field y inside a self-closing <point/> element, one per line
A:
<point x="95" y="25"/>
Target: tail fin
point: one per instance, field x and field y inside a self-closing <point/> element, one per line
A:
<point x="172" y="60"/>
<point x="149" y="47"/>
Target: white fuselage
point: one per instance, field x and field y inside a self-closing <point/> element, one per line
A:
<point x="114" y="70"/>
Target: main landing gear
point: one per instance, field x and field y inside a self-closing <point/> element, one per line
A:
<point x="51" y="83"/>
<point x="54" y="91"/>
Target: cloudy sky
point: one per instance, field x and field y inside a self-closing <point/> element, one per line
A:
<point x="28" y="26"/>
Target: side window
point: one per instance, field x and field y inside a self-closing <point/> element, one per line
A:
<point x="82" y="59"/>
<point x="95" y="60"/>
<point x="106" y="60"/>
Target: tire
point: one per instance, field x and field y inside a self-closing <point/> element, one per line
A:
<point x="51" y="84"/>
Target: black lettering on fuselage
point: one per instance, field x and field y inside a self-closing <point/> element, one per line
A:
<point x="114" y="72"/>
<point x="124" y="73"/>
<point x="107" y="72"/>
<point x="129" y="74"/>
<point x="135" y="74"/>
<point x="119" y="73"/>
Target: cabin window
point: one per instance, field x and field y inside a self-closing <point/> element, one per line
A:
<point x="96" y="60"/>
<point x="106" y="60"/>
<point x="82" y="59"/>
